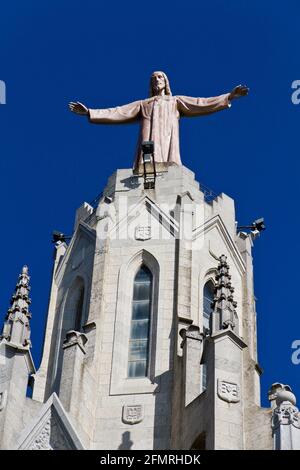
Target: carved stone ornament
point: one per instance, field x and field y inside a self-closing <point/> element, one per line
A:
<point x="228" y="391"/>
<point x="143" y="232"/>
<point x="132" y="414"/>
<point x="16" y="327"/>
<point x="286" y="414"/>
<point x="75" y="338"/>
<point x="223" y="299"/>
<point x="191" y="332"/>
<point x="42" y="441"/>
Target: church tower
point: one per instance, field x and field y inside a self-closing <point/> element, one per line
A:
<point x="150" y="340"/>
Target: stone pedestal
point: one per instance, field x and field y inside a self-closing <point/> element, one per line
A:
<point x="16" y="366"/>
<point x="286" y="421"/>
<point x="192" y="352"/>
<point x="74" y="352"/>
<point x="223" y="356"/>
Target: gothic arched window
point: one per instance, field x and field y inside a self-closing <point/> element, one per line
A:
<point x="72" y="318"/>
<point x="208" y="297"/>
<point x="138" y="357"/>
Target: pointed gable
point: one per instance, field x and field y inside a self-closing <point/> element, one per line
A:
<point x="50" y="430"/>
<point x="145" y="214"/>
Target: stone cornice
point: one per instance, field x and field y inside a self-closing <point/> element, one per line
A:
<point x="21" y="349"/>
<point x="230" y="334"/>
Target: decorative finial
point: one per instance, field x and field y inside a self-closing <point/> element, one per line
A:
<point x="224" y="305"/>
<point x="16" y="327"/>
<point x="25" y="269"/>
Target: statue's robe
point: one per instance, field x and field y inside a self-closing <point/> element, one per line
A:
<point x="159" y="117"/>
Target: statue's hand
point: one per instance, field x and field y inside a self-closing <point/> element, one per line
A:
<point x="238" y="92"/>
<point x="78" y="108"/>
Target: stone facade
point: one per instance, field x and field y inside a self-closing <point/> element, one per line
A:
<point x="201" y="388"/>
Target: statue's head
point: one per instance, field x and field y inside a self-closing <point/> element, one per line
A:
<point x="159" y="81"/>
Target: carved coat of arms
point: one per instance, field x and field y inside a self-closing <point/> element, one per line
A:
<point x="228" y="391"/>
<point x="143" y="232"/>
<point x="132" y="414"/>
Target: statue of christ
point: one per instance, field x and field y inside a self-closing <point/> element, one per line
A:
<point x="159" y="116"/>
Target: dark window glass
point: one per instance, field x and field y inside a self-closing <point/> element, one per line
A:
<point x="140" y="324"/>
<point x="140" y="310"/>
<point x="208" y="297"/>
<point x="141" y="291"/>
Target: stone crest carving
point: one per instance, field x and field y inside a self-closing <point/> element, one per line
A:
<point x="132" y="414"/>
<point x="228" y="391"/>
<point x="143" y="232"/>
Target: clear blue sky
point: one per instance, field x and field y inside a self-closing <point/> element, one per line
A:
<point x="102" y="54"/>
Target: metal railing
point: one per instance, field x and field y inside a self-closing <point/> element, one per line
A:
<point x="209" y="195"/>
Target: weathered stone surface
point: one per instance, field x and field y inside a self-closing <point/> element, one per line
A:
<point x="180" y="238"/>
<point x="51" y="429"/>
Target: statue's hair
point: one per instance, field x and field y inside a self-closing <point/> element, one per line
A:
<point x="167" y="89"/>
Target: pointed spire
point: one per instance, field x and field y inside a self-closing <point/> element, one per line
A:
<point x="16" y="327"/>
<point x="224" y="305"/>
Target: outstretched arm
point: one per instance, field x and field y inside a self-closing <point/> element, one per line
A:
<point x="238" y="92"/>
<point x="120" y="114"/>
<point x="189" y="106"/>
